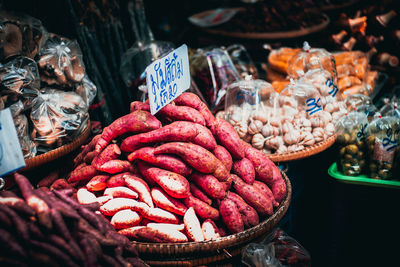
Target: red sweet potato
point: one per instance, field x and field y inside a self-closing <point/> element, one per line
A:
<point x="224" y="156"/>
<point x="166" y="202"/>
<point x="143" y="167"/>
<point x="173" y="184"/>
<point x="266" y="191"/>
<point x="202" y="209"/>
<point x="160" y="215"/>
<point x="117" y="180"/>
<point x="231" y="216"/>
<point x="252" y="196"/>
<point x="111" y="152"/>
<point x="88" y="159"/>
<point x="167" y="226"/>
<point x="221" y="173"/>
<point x="103" y="199"/>
<point x="61" y="184"/>
<point x="135" y="122"/>
<point x="84" y="173"/>
<point x="210" y="230"/>
<point x="204" y="138"/>
<point x="245" y="170"/>
<point x="192" y="100"/>
<point x="116" y="204"/>
<point x="249" y="214"/>
<point x="116" y="166"/>
<point x="196" y="192"/>
<point x="182" y="113"/>
<point x="144" y="233"/>
<point x="85" y="197"/>
<point x="49" y="179"/>
<point x="167" y="162"/>
<point x="140" y="186"/>
<point x="228" y="137"/>
<point x="196" y="156"/>
<point x="263" y="166"/>
<point x="86" y="149"/>
<point x="125" y="218"/>
<point x="137" y="105"/>
<point x="121" y="191"/>
<point x="131" y="231"/>
<point x="97" y="183"/>
<point x="209" y="184"/>
<point x="278" y="187"/>
<point x="192" y="225"/>
<point x="36" y="203"/>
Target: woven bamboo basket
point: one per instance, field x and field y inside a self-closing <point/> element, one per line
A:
<point x="58" y="152"/>
<point x="212" y="251"/>
<point x="304" y="153"/>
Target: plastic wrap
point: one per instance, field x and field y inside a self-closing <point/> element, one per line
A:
<point x="370" y="110"/>
<point x="58" y="117"/>
<point x="87" y="90"/>
<point x="242" y="61"/>
<point x="213" y="71"/>
<point x="278" y="249"/>
<point x="351" y="136"/>
<point x="22" y="127"/>
<point x="20" y="34"/>
<point x="61" y="62"/>
<point x="383" y="145"/>
<point x="19" y="80"/>
<point x="353" y="101"/>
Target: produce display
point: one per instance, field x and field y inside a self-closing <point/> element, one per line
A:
<point x="181" y="175"/>
<point x="50" y="228"/>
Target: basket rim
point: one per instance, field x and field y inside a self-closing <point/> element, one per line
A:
<point x="187" y="248"/>
<point x="36" y="161"/>
<point x="304" y="153"/>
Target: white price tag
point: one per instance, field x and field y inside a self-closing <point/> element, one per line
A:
<point x="167" y="78"/>
<point x="11" y="157"/>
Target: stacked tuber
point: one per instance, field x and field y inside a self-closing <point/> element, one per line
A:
<point x="181" y="175"/>
<point x="50" y="228"/>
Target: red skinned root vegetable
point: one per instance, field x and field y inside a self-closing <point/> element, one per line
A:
<point x="231" y="216"/>
<point x="166" y="202"/>
<point x="181" y="113"/>
<point x="202" y="209"/>
<point x="228" y="137"/>
<point x="144" y="233"/>
<point x="117" y="204"/>
<point x="160" y="215"/>
<point x="90" y="157"/>
<point x="85" y="197"/>
<point x="210" y="230"/>
<point x="245" y="170"/>
<point x="221" y="173"/>
<point x="266" y="191"/>
<point x="103" y="199"/>
<point x="209" y="184"/>
<point x="167" y="162"/>
<point x="196" y="156"/>
<point x="97" y="183"/>
<point x="49" y="179"/>
<point x="224" y="156"/>
<point x="125" y="218"/>
<point x="12" y="245"/>
<point x="111" y="152"/>
<point x="117" y="180"/>
<point x="137" y="105"/>
<point x="249" y="214"/>
<point x="17" y="204"/>
<point x="192" y="225"/>
<point x="36" y="203"/>
<point x="116" y="166"/>
<point x="135" y="122"/>
<point x="121" y="191"/>
<point x="141" y="187"/>
<point x="86" y="149"/>
<point x="278" y="186"/>
<point x="61" y="184"/>
<point x="196" y="192"/>
<point x="167" y="226"/>
<point x="84" y="173"/>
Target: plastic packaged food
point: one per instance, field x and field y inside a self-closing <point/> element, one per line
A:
<point x="58" y="117"/>
<point x="61" y="62"/>
<point x="242" y="61"/>
<point x="351" y="136"/>
<point x="370" y="110"/>
<point x="87" y="90"/>
<point x="19" y="80"/>
<point x="278" y="59"/>
<point x="312" y="58"/>
<point x="353" y="101"/>
<point x="22" y="127"/>
<point x="383" y="144"/>
<point x="213" y="71"/>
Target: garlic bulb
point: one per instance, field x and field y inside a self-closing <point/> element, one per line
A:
<point x="276" y="131"/>
<point x="337" y="115"/>
<point x="241" y="129"/>
<point x="316" y="121"/>
<point x="306" y="123"/>
<point x="318" y="134"/>
<point x="266" y="151"/>
<point x="291" y="148"/>
<point x="330" y="129"/>
<point x="287" y="127"/>
<point x="292" y="137"/>
<point x="282" y="149"/>
<point x="255" y="127"/>
<point x="274" y="121"/>
<point x="274" y="142"/>
<point x="258" y="141"/>
<point x="325" y="116"/>
<point x="260" y="115"/>
<point x="308" y="139"/>
<point x="329" y="107"/>
<point x="267" y="130"/>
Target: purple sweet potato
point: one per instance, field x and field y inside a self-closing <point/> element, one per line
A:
<point x="252" y="196"/>
<point x="172" y="183"/>
<point x="84" y="173"/>
<point x="249" y="214"/>
<point x="167" y="162"/>
<point x="266" y="191"/>
<point x="97" y="183"/>
<point x="111" y="152"/>
<point x="228" y="137"/>
<point x="48" y="179"/>
<point x="117" y="204"/>
<point x="231" y="216"/>
<point x="245" y="170"/>
<point x="192" y="100"/>
<point x="202" y="209"/>
<point x="182" y="113"/>
<point x="12" y="245"/>
<point x="209" y="184"/>
<point x="17" y="204"/>
<point x="141" y="187"/>
<point x="136" y="122"/>
<point x="224" y="156"/>
<point x="116" y="166"/>
<point x="196" y="156"/>
<point x="196" y="192"/>
<point x="166" y="202"/>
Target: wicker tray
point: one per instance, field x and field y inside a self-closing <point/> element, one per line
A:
<point x="306" y="152"/>
<point x="205" y="252"/>
<point x="58" y="152"/>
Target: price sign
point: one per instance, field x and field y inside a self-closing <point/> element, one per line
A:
<point x="11" y="157"/>
<point x="167" y="78"/>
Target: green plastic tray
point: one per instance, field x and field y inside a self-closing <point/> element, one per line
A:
<point x="361" y="179"/>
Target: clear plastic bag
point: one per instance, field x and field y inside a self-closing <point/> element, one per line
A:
<point x="22" y="127"/>
<point x="383" y="144"/>
<point x="61" y="62"/>
<point x="19" y="80"/>
<point x="276" y="250"/>
<point x="242" y="61"/>
<point x="87" y="90"/>
<point x="213" y="71"/>
<point x="20" y="35"/>
<point x="351" y="136"/>
<point x="370" y="110"/>
<point x="353" y="101"/>
<point x="58" y="117"/>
